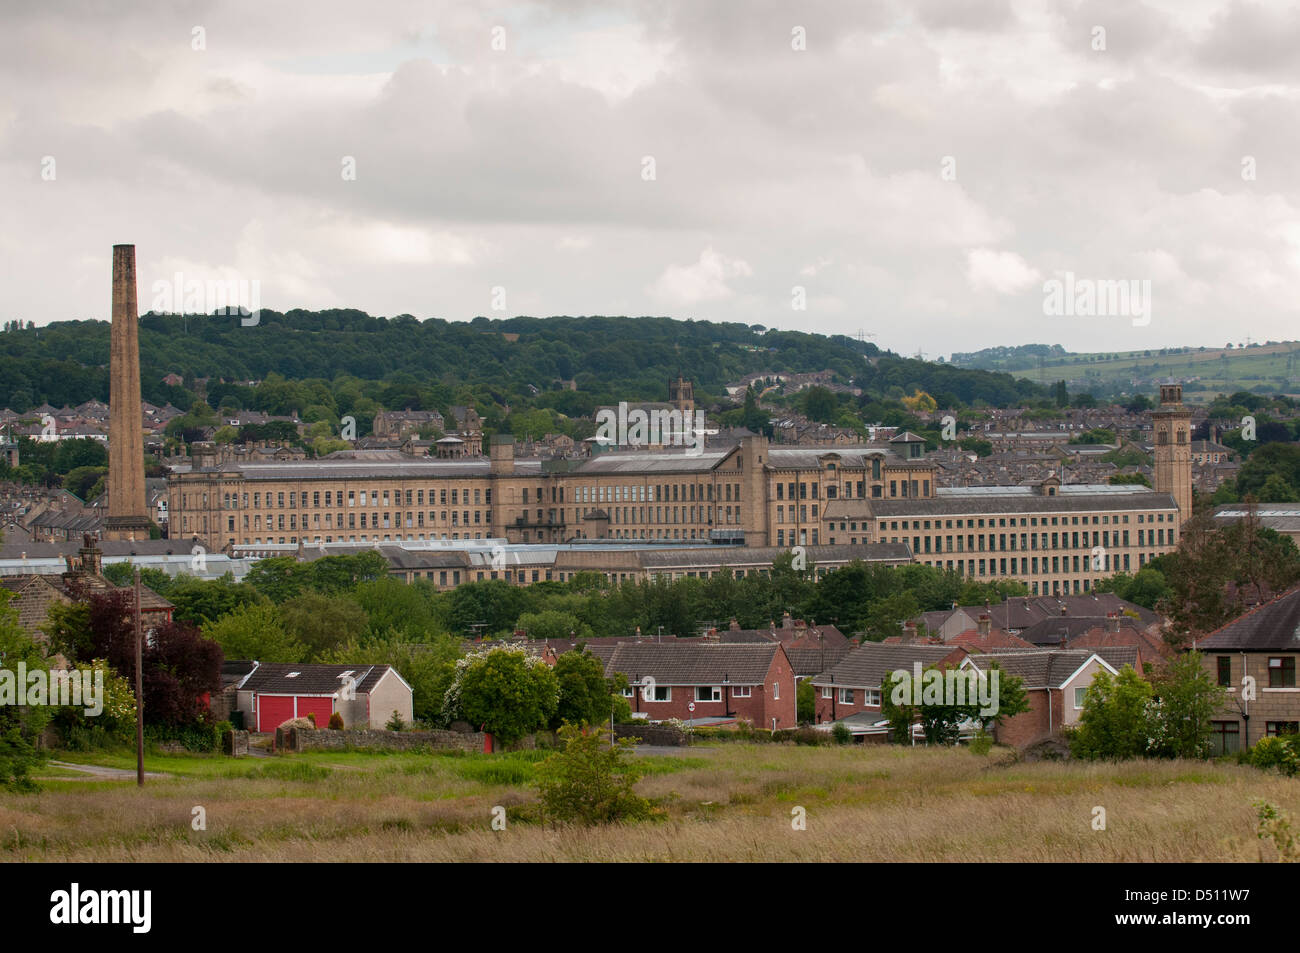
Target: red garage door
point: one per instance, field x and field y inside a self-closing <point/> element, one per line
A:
<point x="322" y="708"/>
<point x="273" y="711"/>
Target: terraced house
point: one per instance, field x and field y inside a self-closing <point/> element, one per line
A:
<point x="1253" y="659"/>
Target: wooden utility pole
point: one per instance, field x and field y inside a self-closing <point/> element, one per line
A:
<point x="139" y="689"/>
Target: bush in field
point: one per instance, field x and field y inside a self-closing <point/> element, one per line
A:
<point x="336" y="722"/>
<point x="840" y="732"/>
<point x="1275" y="825"/>
<point x="395" y="723"/>
<point x="589" y="781"/>
<point x="1277" y="753"/>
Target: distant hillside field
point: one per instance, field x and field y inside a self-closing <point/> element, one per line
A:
<point x="1260" y="368"/>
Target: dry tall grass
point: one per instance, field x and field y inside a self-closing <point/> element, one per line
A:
<point x="729" y="803"/>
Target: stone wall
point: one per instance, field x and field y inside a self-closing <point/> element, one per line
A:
<point x="302" y="739"/>
<point x="652" y="734"/>
<point x="235" y="743"/>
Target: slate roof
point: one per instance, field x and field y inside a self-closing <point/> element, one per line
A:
<point x="150" y="601"/>
<point x="812" y="458"/>
<point x="866" y="665"/>
<point x="1272" y="627"/>
<point x="1052" y="630"/>
<point x="808" y="660"/>
<point x="362" y="464"/>
<point x="1153" y="648"/>
<point x="233" y="671"/>
<point x="996" y="639"/>
<point x="1043" y="668"/>
<point x="764" y="556"/>
<point x="312" y="678"/>
<point x="656" y="462"/>
<point x="684" y="663"/>
<point x="1009" y="502"/>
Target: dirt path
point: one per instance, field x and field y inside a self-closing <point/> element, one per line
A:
<point x="98" y="772"/>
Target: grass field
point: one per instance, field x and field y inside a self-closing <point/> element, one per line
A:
<point x="727" y="802"/>
<point x="1218" y="370"/>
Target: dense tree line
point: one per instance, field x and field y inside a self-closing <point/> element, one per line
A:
<point x="434" y="363"/>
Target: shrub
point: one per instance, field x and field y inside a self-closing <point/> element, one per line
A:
<point x="336" y="722"/>
<point x="1275" y="753"/>
<point x="311" y="716"/>
<point x="982" y="743"/>
<point x="807" y="735"/>
<point x="622" y="709"/>
<point x="589" y="781"/>
<point x="840" y="733"/>
<point x="395" y="723"/>
<point x="201" y="736"/>
<point x="1275" y="825"/>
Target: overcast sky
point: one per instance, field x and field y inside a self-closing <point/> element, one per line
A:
<point x="920" y="169"/>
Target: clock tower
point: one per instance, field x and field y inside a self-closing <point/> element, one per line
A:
<point x="1172" y="431"/>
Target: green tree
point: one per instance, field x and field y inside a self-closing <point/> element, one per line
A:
<point x="552" y="625"/>
<point x="322" y="623"/>
<point x="254" y="632"/>
<point x="1188" y="699"/>
<point x="942" y="717"/>
<point x="278" y="578"/>
<point x="505" y="691"/>
<point x="199" y="601"/>
<point x="584" y="691"/>
<point x="20" y="725"/>
<point x="886" y="618"/>
<point x="1116" y="722"/>
<point x="590" y="781"/>
<point x="806" y="702"/>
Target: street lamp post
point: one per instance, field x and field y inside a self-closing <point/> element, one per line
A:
<point x="139" y="689"/>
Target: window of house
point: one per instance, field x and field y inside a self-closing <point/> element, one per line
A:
<point x="741" y="691"/>
<point x="663" y="693"/>
<point x="1225" y="737"/>
<point x="827" y="692"/>
<point x="1275" y="728"/>
<point x="846" y="696"/>
<point x="708" y="693"/>
<point x="1079" y="695"/>
<point x="1225" y="670"/>
<point x="1281" y="672"/>
<point x="776" y="690"/>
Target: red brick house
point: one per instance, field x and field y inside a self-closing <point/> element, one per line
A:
<point x="853" y="685"/>
<point x="721" y="681"/>
<point x="810" y="648"/>
<point x="1055" y="683"/>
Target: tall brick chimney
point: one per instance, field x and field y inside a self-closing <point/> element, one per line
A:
<point x="128" y="515"/>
